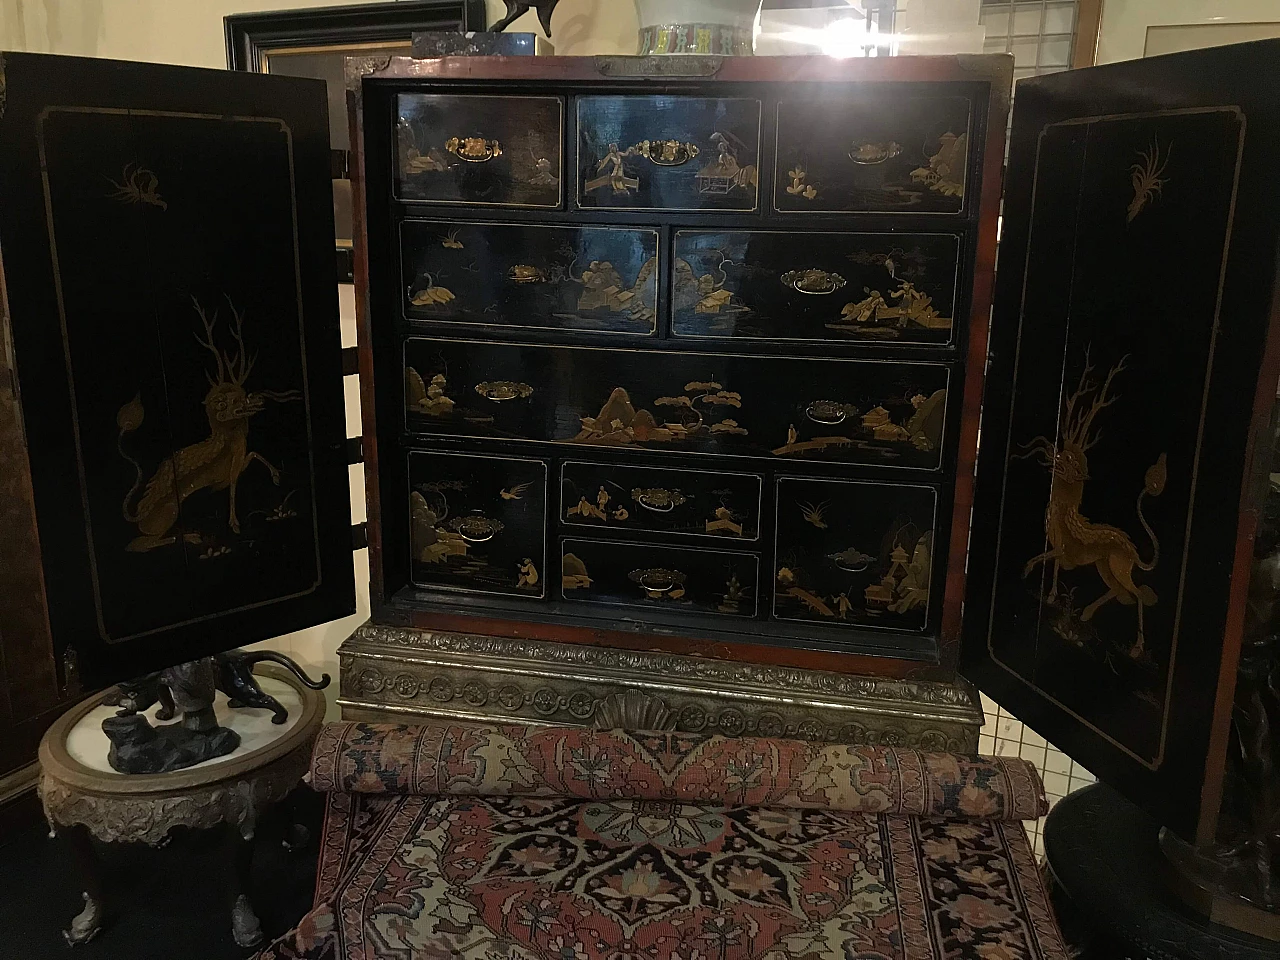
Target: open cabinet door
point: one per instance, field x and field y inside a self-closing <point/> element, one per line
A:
<point x="173" y="444"/>
<point x="1132" y="377"/>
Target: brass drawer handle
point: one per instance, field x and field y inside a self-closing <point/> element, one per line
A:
<point x="477" y="529"/>
<point x="868" y="154"/>
<point x="473" y="149"/>
<point x="658" y="500"/>
<point x="501" y="390"/>
<point x="668" y="153"/>
<point x="658" y="582"/>
<point x="813" y="281"/>
<point x="826" y="411"/>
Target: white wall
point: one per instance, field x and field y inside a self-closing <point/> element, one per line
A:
<point x="1123" y="34"/>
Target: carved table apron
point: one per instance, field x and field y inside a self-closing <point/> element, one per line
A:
<point x="84" y="798"/>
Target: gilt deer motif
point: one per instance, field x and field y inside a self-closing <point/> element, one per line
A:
<point x="215" y="463"/>
<point x="1074" y="539"/>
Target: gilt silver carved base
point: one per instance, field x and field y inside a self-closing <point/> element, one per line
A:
<point x="394" y="674"/>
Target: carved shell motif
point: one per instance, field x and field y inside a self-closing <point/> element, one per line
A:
<point x="633" y="712"/>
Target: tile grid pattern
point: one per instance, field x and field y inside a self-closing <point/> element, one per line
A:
<point x="1039" y="34"/>
<point x="1004" y="735"/>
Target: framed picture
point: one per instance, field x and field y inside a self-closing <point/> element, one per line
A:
<point x="315" y="42"/>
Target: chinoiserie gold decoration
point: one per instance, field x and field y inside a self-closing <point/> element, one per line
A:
<point x="946" y="169"/>
<point x="724" y="174"/>
<point x="798" y="186"/>
<point x="573" y="573"/>
<point x="813" y="281"/>
<point x="667" y="153"/>
<point x="734" y="595"/>
<point x="692" y="416"/>
<point x="430" y="295"/>
<point x="658" y="499"/>
<point x="525" y="273"/>
<point x="423" y="398"/>
<point x="1074" y="539"/>
<point x="473" y="149"/>
<point x="501" y="390"/>
<point x="813" y="513"/>
<point x="724" y="522"/>
<point x="659" y="583"/>
<point x="872" y="153"/>
<point x="873" y="315"/>
<point x="528" y="578"/>
<point x="585" y="508"/>
<point x="137" y="185"/>
<point x="1148" y="178"/>
<point x="612" y="172"/>
<point x="515" y="493"/>
<point x="215" y="463"/>
<point x="451" y="241"/>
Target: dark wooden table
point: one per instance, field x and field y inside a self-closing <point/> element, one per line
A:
<point x="1105" y="874"/>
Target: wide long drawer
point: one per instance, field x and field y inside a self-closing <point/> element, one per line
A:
<point x="685" y="579"/>
<point x="781" y="408"/>
<point x="695" y="503"/>
<point x="854" y="553"/>
<point x="860" y="287"/>
<point x="477" y="523"/>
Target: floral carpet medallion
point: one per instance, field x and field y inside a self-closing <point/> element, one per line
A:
<point x="606" y="868"/>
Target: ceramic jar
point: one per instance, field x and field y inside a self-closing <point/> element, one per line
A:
<point x="697" y="26"/>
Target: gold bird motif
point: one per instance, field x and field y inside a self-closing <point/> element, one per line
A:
<point x="516" y="492"/>
<point x="813" y="514"/>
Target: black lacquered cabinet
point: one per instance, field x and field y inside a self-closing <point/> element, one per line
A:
<point x="732" y="391"/>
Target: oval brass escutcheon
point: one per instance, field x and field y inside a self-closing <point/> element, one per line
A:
<point x="473" y="149"/>
<point x="826" y="411"/>
<point x="525" y="273"/>
<point x="500" y="390"/>
<point x="657" y="582"/>
<point x="868" y="154"/>
<point x="658" y="499"/>
<point x="669" y="153"/>
<point x="813" y="281"/>
<point x="477" y="529"/>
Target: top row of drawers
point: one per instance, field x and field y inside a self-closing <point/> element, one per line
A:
<point x="875" y="155"/>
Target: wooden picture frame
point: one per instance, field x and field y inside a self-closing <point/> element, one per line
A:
<point x="314" y="42"/>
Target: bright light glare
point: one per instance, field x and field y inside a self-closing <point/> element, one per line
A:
<point x="848" y="38"/>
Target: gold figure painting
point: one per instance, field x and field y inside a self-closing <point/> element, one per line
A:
<point x="215" y="463"/>
<point x="1077" y="542"/>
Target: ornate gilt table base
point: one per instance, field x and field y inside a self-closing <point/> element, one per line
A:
<point x="85" y="800"/>
<point x="392" y="674"/>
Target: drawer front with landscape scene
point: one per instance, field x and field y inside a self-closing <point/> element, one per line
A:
<point x="851" y="553"/>
<point x="530" y="276"/>
<point x="481" y="150"/>
<point x="780" y="408"/>
<point x="872" y="152"/>
<point x="692" y="503"/>
<point x="668" y="153"/>
<point x="855" y="287"/>
<point x="683" y="579"/>
<point x="477" y="523"/>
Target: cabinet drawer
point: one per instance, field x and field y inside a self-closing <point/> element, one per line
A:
<point x="877" y="287"/>
<point x="668" y="153"/>
<point x="535" y="277"/>
<point x="488" y="151"/>
<point x="779" y="408"/>
<point x="660" y="500"/>
<point x="854" y="553"/>
<point x="477" y="523"/>
<point x="872" y="152"/>
<point x="676" y="578"/>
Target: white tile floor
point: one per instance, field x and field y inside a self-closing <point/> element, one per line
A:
<point x="1004" y="735"/>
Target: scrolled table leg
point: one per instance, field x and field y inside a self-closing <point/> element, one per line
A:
<point x="87" y="924"/>
<point x="246" y="930"/>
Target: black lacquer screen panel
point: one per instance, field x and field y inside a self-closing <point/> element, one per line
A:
<point x="1133" y="367"/>
<point x="175" y="333"/>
